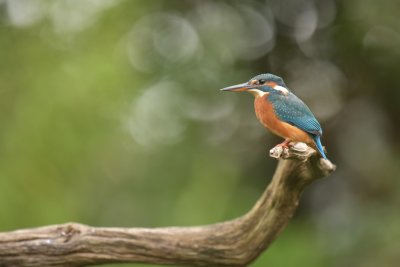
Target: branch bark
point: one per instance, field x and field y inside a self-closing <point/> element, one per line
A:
<point x="231" y="243"/>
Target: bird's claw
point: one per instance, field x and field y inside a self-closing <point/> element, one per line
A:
<point x="285" y="144"/>
<point x="280" y="149"/>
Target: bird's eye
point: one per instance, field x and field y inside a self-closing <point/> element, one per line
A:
<point x="261" y="81"/>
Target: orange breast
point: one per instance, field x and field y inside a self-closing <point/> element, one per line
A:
<point x="266" y="115"/>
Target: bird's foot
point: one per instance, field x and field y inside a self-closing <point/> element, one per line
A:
<point x="285" y="144"/>
<point x="280" y="149"/>
<point x="288" y="149"/>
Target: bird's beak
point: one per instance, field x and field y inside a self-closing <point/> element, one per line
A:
<point x="238" y="87"/>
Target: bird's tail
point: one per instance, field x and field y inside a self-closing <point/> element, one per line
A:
<point x="317" y="141"/>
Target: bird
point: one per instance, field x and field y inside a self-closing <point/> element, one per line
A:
<point x="281" y="111"/>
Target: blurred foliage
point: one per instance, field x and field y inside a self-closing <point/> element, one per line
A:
<point x="111" y="115"/>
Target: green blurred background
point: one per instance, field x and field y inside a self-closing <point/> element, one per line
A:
<point x="111" y="116"/>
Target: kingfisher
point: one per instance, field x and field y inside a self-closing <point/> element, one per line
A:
<point x="282" y="112"/>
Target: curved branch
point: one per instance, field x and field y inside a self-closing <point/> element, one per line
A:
<point x="232" y="243"/>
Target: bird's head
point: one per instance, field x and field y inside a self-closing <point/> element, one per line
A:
<point x="260" y="85"/>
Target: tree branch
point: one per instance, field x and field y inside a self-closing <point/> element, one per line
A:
<point x="232" y="243"/>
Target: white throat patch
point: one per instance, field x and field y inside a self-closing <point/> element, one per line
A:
<point x="282" y="89"/>
<point x="256" y="92"/>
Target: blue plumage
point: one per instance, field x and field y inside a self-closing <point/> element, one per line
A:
<point x="317" y="140"/>
<point x="289" y="108"/>
<point x="280" y="105"/>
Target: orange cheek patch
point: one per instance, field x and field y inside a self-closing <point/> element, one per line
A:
<point x="272" y="84"/>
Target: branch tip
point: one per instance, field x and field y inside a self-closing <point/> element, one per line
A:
<point x="296" y="150"/>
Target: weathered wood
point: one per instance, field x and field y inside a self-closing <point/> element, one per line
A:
<point x="232" y="243"/>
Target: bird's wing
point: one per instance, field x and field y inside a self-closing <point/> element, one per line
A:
<point x="291" y="109"/>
